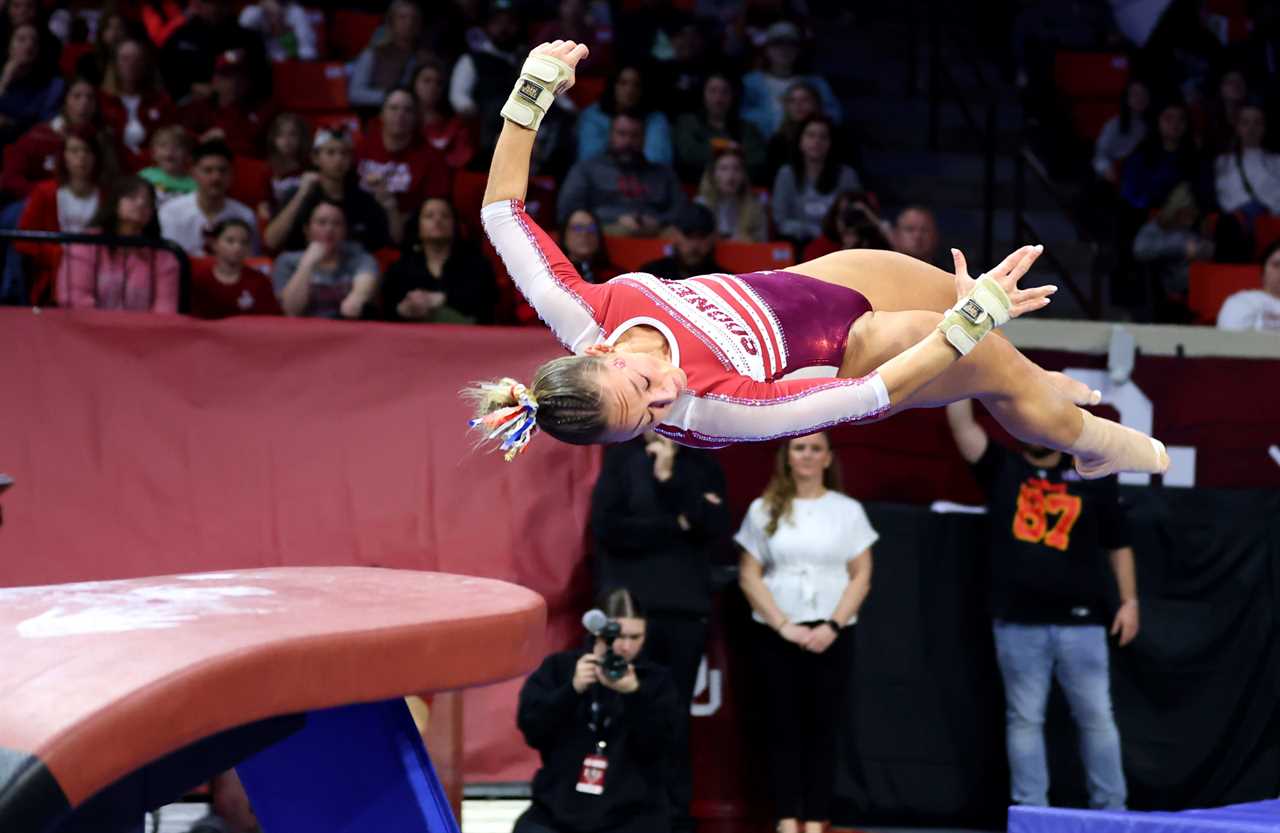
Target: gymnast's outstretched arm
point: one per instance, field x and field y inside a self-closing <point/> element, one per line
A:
<point x="572" y="307"/>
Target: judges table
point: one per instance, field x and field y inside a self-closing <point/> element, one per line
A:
<point x="119" y="696"/>
<point x="1255" y="817"/>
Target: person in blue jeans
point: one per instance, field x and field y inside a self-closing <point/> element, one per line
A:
<point x="1054" y="539"/>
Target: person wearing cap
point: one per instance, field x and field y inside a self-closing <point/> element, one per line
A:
<point x="632" y="196"/>
<point x="367" y="221"/>
<point x="187" y="220"/>
<point x="228" y="113"/>
<point x="189" y="55"/>
<point x="763" y="89"/>
<point x="692" y="248"/>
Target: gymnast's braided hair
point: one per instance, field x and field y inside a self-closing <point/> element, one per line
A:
<point x="563" y="400"/>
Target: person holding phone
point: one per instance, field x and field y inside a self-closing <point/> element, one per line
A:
<point x="1051" y="602"/>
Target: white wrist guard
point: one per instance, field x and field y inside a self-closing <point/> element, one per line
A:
<point x="975" y="315"/>
<point x="541" y="78"/>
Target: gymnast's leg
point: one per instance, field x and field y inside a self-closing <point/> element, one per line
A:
<point x="1029" y="402"/>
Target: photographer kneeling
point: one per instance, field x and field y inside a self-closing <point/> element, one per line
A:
<point x="603" y="723"/>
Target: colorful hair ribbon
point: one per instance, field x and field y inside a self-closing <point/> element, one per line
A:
<point x="515" y="424"/>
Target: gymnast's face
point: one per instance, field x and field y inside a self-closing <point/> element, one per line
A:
<point x="638" y="390"/>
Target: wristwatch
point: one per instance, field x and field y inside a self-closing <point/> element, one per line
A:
<point x="835" y="626"/>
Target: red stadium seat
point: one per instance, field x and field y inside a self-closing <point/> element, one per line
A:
<point x="1212" y="283"/>
<point x="350" y="32"/>
<point x="71" y="54"/>
<point x="586" y="91"/>
<point x="250" y="181"/>
<point x="468" y="194"/>
<point x="385" y="257"/>
<point x="630" y="253"/>
<point x="262" y="264"/>
<point x="1093" y="82"/>
<point x="1266" y="230"/>
<point x="311" y="85"/>
<point x="1091" y="74"/>
<point x="754" y="257"/>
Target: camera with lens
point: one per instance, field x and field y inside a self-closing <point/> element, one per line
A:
<point x="613" y="665"/>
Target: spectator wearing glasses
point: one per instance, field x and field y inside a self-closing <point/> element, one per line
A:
<point x="367" y="220"/>
<point x="584" y="247"/>
<point x="105" y="276"/>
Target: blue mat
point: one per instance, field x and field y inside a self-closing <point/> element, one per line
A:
<point x="1255" y="817"/>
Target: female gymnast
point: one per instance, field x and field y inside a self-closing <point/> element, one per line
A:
<point x="712" y="361"/>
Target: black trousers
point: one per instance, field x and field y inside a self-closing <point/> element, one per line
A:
<point x="678" y="642"/>
<point x="805" y="701"/>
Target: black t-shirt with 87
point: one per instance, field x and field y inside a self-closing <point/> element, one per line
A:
<point x="1050" y="535"/>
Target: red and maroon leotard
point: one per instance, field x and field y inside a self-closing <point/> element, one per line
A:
<point x="740" y="339"/>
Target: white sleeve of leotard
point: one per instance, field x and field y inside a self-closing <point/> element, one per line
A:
<point x="570" y="306"/>
<point x="750" y="411"/>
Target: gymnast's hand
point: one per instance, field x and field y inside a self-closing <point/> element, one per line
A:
<point x="568" y="51"/>
<point x="1007" y="274"/>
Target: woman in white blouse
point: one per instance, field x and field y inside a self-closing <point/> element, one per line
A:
<point x="806" y="570"/>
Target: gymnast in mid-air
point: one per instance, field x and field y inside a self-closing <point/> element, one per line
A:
<point x="854" y="336"/>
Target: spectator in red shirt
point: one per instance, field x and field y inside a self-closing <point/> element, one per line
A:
<point x="68" y="202"/>
<point x="132" y="102"/>
<point x="223" y="286"/>
<point x="33" y="158"/>
<point x="229" y="113"/>
<point x="391" y="157"/>
<point x="443" y="129"/>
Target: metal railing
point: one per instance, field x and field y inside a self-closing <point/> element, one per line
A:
<point x="111" y="240"/>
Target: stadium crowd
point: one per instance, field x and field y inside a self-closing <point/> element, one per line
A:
<point x="323" y="161"/>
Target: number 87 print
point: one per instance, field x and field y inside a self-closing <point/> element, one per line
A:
<point x="1037" y="499"/>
